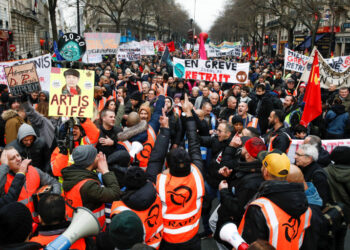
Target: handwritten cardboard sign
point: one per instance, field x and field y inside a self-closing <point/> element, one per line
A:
<point x="22" y="78"/>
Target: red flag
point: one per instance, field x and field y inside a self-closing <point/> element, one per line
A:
<point x="171" y="46"/>
<point x="256" y="54"/>
<point x="312" y="98"/>
<point x="332" y="54"/>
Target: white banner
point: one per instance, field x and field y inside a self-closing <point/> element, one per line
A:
<point x="328" y="75"/>
<point x="209" y="70"/>
<point x="42" y="65"/>
<point x="92" y="58"/>
<point x="294" y="61"/>
<point x="147" y="48"/>
<point x="129" y="52"/>
<point x="102" y="43"/>
<point x="328" y="145"/>
<point x="213" y="52"/>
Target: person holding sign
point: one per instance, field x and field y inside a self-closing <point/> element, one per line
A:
<point x="72" y="78"/>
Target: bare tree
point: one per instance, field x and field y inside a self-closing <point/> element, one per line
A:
<point x="52" y="11"/>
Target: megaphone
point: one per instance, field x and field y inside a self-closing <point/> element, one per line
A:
<point x="229" y="233"/>
<point x="84" y="223"/>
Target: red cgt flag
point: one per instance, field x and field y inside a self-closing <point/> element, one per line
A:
<point x="171" y="46"/>
<point x="312" y="98"/>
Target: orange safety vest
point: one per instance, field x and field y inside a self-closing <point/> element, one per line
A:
<point x="154" y="87"/>
<point x="101" y="104"/>
<point x="270" y="147"/>
<point x="44" y="240"/>
<point x="151" y="218"/>
<point x="31" y="185"/>
<point x="285" y="232"/>
<point x="182" y="199"/>
<point x="144" y="155"/>
<point x="253" y="123"/>
<point x="74" y="198"/>
<point x="177" y="111"/>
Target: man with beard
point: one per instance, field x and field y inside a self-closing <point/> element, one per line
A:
<point x="277" y="137"/>
<point x="263" y="107"/>
<point x="292" y="112"/>
<point x="248" y="119"/>
<point x="99" y="99"/>
<point x="202" y="99"/>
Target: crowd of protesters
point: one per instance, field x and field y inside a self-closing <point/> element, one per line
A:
<point x="161" y="151"/>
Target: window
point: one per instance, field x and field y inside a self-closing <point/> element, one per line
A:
<point x="7" y="24"/>
<point x="0" y="23"/>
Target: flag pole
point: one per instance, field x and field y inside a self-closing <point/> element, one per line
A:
<point x="312" y="55"/>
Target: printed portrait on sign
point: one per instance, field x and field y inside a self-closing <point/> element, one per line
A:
<point x="71" y="87"/>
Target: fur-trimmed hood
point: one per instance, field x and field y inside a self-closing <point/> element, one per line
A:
<point x="8" y="114"/>
<point x="132" y="131"/>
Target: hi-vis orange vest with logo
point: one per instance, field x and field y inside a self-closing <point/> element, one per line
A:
<point x="73" y="197"/>
<point x="31" y="185"/>
<point x="148" y="145"/>
<point x="44" y="240"/>
<point x="151" y="218"/>
<point x="182" y="199"/>
<point x="270" y="146"/>
<point x="285" y="232"/>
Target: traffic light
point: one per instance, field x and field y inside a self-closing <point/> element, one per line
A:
<point x="266" y="39"/>
<point x="10" y="36"/>
<point x="190" y="34"/>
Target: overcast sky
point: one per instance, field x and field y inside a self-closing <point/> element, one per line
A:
<point x="206" y="11"/>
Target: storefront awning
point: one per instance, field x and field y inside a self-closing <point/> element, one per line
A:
<point x="307" y="43"/>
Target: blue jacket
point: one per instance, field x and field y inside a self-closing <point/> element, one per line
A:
<point x="337" y="119"/>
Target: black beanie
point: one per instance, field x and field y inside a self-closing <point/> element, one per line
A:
<point x="341" y="155"/>
<point x="179" y="162"/>
<point x="135" y="178"/>
<point x="137" y="95"/>
<point x="15" y="223"/>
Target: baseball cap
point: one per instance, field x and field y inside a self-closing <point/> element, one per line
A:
<point x="276" y="162"/>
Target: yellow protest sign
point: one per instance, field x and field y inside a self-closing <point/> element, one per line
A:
<point x="71" y="92"/>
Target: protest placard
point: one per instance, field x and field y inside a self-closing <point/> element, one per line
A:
<point x="102" y="43"/>
<point x="129" y="52"/>
<point x="208" y="70"/>
<point x="42" y="65"/>
<point x="71" y="93"/>
<point x="92" y="58"/>
<point x="214" y="52"/>
<point x="294" y="61"/>
<point x="147" y="48"/>
<point x="22" y="79"/>
<point x="328" y="145"/>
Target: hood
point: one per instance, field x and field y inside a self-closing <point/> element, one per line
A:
<point x="248" y="168"/>
<point x="323" y="157"/>
<point x="290" y="197"/>
<point x="46" y="93"/>
<point x="132" y="131"/>
<point x="22" y="246"/>
<point x="25" y="130"/>
<point x="72" y="175"/>
<point x="140" y="199"/>
<point x="340" y="173"/>
<point x="338" y="109"/>
<point x="8" y="114"/>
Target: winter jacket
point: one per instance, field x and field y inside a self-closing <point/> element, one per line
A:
<point x="38" y="152"/>
<point x="112" y="134"/>
<point x="175" y="127"/>
<point x="339" y="183"/>
<point x="226" y="113"/>
<point x="22" y="246"/>
<point x="212" y="176"/>
<point x="290" y="197"/>
<point x="315" y="174"/>
<point x="323" y="157"/>
<point x="281" y="139"/>
<point x="199" y="101"/>
<point x="44" y="125"/>
<point x="261" y="109"/>
<point x="337" y="119"/>
<point x="92" y="193"/>
<point x="13" y="122"/>
<point x="15" y="188"/>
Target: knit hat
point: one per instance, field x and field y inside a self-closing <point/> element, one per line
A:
<point x="254" y="146"/>
<point x="72" y="72"/>
<point x="135" y="178"/>
<point x="171" y="100"/>
<point x="15" y="223"/>
<point x="276" y="162"/>
<point x="341" y="155"/>
<point x="147" y="109"/>
<point x="136" y="96"/>
<point x="125" y="230"/>
<point x="302" y="85"/>
<point x="179" y="162"/>
<point x="84" y="156"/>
<point x="177" y="95"/>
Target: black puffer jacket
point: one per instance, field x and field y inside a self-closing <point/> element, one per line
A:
<point x="290" y="197"/>
<point x="212" y="176"/>
<point x="175" y="127"/>
<point x="112" y="134"/>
